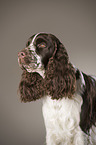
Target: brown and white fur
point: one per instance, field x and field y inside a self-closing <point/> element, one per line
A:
<point x="69" y="95"/>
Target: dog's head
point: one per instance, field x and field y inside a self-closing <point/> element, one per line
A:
<point x="39" y="49"/>
<point x="45" y="54"/>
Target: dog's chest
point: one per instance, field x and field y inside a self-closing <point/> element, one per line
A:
<point x="63" y="115"/>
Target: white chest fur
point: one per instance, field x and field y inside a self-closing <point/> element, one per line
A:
<point x="62" y="119"/>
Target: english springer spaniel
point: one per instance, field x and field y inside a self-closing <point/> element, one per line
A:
<point x="68" y="94"/>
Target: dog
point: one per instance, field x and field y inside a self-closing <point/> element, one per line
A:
<point x="68" y="94"/>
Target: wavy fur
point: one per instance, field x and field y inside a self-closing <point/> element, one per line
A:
<point x="60" y="79"/>
<point x="30" y="87"/>
<point x="69" y="96"/>
<point x="88" y="113"/>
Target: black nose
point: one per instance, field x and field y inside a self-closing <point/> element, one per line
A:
<point x="21" y="54"/>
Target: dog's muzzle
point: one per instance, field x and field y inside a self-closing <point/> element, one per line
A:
<point x="29" y="60"/>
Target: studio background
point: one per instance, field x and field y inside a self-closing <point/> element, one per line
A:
<point x="73" y="22"/>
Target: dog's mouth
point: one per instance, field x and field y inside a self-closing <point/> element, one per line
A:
<point x="30" y="67"/>
<point x="29" y="62"/>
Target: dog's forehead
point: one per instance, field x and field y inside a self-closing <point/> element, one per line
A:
<point x="37" y="39"/>
<point x="42" y="37"/>
<point x="32" y="39"/>
<point x="36" y="36"/>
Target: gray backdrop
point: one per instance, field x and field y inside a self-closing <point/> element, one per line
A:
<point x="73" y="22"/>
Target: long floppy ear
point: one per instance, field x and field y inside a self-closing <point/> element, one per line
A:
<point x="60" y="77"/>
<point x="30" y="87"/>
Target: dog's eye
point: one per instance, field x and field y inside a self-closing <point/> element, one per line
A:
<point x="41" y="45"/>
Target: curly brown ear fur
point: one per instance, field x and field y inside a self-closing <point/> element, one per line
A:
<point x="30" y="87"/>
<point x="60" y="77"/>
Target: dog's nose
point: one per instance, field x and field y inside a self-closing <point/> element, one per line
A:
<point x="21" y="54"/>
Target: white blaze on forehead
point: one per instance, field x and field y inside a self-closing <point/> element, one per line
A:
<point x="33" y="49"/>
<point x="34" y="38"/>
<point x="32" y="43"/>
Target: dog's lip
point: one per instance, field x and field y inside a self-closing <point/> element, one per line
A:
<point x="22" y="62"/>
<point x="31" y="67"/>
<point x="24" y="66"/>
<point x="20" y="65"/>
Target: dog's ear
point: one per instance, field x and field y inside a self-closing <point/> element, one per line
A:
<point x="30" y="87"/>
<point x="60" y="77"/>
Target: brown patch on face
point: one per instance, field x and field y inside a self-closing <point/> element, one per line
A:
<point x="28" y="60"/>
<point x="23" y="57"/>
